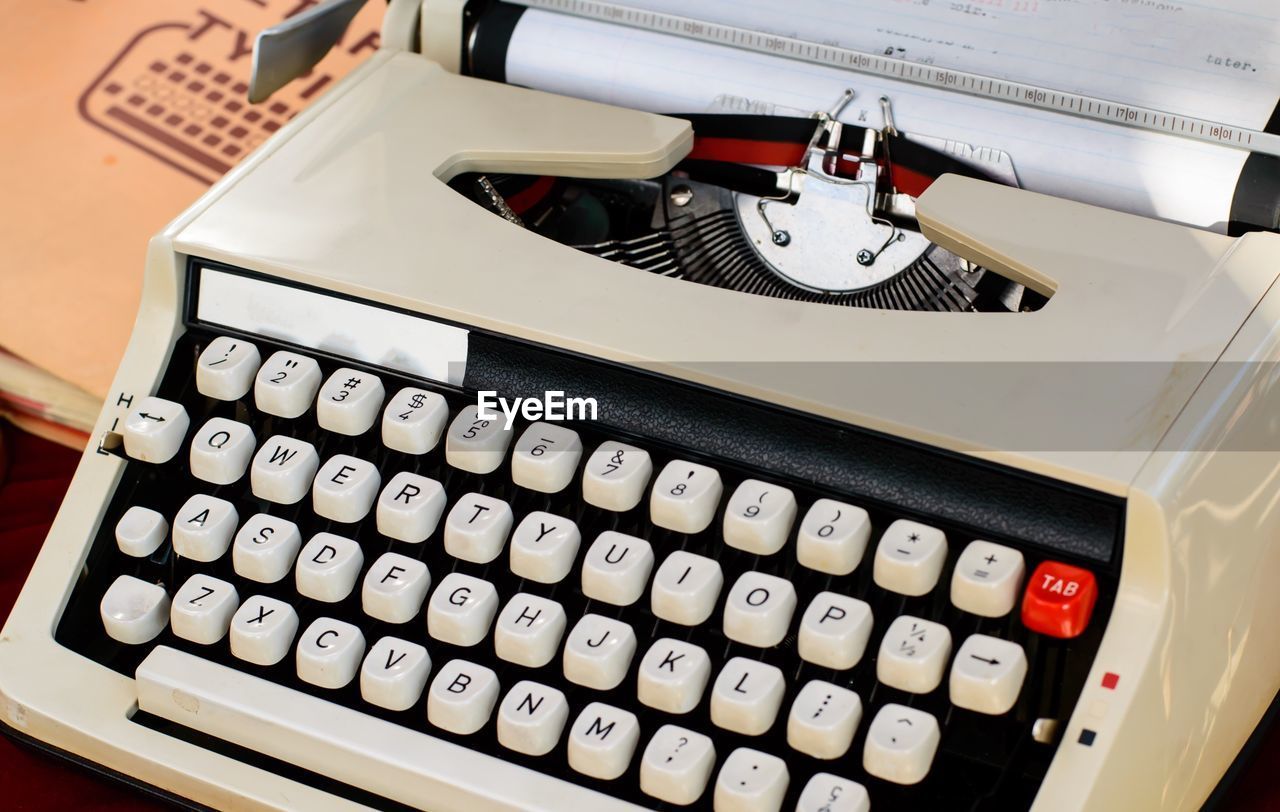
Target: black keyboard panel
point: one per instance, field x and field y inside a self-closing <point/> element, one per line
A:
<point x="983" y="762"/>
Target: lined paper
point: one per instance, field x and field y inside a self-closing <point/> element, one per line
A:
<point x="1122" y="168"/>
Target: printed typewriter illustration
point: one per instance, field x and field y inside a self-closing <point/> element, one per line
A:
<point x="594" y="407"/>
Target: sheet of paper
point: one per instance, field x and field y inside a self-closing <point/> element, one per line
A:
<point x="117" y="117"/>
<point x="1216" y="59"/>
<point x="1121" y="168"/>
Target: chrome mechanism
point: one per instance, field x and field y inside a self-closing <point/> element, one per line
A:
<point x="821" y="231"/>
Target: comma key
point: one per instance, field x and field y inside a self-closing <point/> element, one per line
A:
<point x="676" y="765"/>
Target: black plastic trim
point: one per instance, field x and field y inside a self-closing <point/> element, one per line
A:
<point x="880" y="468"/>
<point x="1256" y="204"/>
<point x="488" y="51"/>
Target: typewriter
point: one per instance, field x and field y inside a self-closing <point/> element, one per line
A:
<point x="481" y="447"/>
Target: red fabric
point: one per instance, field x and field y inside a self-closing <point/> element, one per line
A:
<point x="527" y="198"/>
<point x="746" y="151"/>
<point x="30" y="492"/>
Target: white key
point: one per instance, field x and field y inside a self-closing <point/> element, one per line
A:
<point x="901" y="743"/>
<point x="909" y="558"/>
<point x="328" y="567"/>
<point x="759" y="609"/>
<point x="410" y="507"/>
<point x="676" y="765"/>
<point x="140" y="531"/>
<point x="265" y="548"/>
<point x="221" y="450"/>
<point x="544" y="547"/>
<point x="349" y="402"/>
<point x="598" y="652"/>
<point x="329" y="653"/>
<point x="461" y="609"/>
<point x="602" y="741"/>
<point x="134" y="611"/>
<point x="834" y="631"/>
<point x="686" y="587"/>
<point x="154" y="430"/>
<point x="476" y="528"/>
<point x="462" y="696"/>
<point x="203" y="527"/>
<point x="616" y="476"/>
<point x="685" y="496"/>
<point x="833" y="537"/>
<point x="286" y="385"/>
<point x="831" y="793"/>
<point x="746" y="696"/>
<point x="345" y="488"/>
<point x="531" y="718"/>
<point x="546" y="457"/>
<point x="987" y="579"/>
<point x="987" y="674"/>
<point x="226" y="368"/>
<point x="476" y="445"/>
<point x="913" y="654"/>
<point x="202" y="609"/>
<point x="759" y="516"/>
<point x="823" y="719"/>
<point x="394" y="588"/>
<point x="394" y="673"/>
<point x="673" y="675"/>
<point x="528" y="630"/>
<point x="616" y="568"/>
<point x="262" y="630"/>
<point x="414" y="420"/>
<point x="280" y="722"/>
<point x="751" y="781"/>
<point x="283" y="469"/>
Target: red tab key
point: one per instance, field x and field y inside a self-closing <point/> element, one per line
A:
<point x="1059" y="599"/>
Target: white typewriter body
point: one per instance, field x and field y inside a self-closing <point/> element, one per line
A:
<point x="350" y="198"/>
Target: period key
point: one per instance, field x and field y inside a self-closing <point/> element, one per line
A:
<point x="1059" y="600"/>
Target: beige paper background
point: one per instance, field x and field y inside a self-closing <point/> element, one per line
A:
<point x="78" y="201"/>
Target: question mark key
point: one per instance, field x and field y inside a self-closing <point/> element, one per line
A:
<point x="677" y="765"/>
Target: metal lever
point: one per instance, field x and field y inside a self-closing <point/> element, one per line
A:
<point x="290" y="48"/>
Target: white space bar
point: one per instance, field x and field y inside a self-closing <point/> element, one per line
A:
<point x="346" y="745"/>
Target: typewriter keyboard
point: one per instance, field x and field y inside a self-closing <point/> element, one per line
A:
<point x="649" y="621"/>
